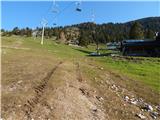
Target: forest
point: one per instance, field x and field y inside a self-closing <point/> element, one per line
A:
<point x="86" y="33"/>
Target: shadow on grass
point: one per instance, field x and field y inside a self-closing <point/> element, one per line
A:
<point x="83" y="51"/>
<point x="101" y="55"/>
<point x="88" y="53"/>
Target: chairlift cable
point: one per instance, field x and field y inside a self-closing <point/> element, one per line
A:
<point x="47" y="11"/>
<point x="54" y="8"/>
<point x="60" y="12"/>
<point x="64" y="9"/>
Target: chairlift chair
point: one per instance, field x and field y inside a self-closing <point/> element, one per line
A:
<point x="78" y="7"/>
<point x="54" y="24"/>
<point x="55" y="8"/>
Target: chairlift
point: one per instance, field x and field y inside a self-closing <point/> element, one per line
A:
<point x="54" y="24"/>
<point x="55" y="8"/>
<point x="78" y="8"/>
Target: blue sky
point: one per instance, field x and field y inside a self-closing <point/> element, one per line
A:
<point x="29" y="14"/>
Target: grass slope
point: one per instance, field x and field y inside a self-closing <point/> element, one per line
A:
<point x="146" y="70"/>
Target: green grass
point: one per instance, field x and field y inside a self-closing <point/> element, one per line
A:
<point x="147" y="71"/>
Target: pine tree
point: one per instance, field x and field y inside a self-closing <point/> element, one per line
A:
<point x="83" y="39"/>
<point x="16" y="31"/>
<point x="150" y="34"/>
<point x="136" y="31"/>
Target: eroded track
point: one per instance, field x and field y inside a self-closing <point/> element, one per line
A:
<point x="78" y="72"/>
<point x="30" y="105"/>
<point x="66" y="93"/>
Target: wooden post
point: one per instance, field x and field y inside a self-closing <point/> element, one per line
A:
<point x="44" y="23"/>
<point x="42" y="35"/>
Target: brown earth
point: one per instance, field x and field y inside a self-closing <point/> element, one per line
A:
<point x="43" y="88"/>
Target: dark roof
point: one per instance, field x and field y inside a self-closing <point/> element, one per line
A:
<point x="131" y="41"/>
<point x="141" y="43"/>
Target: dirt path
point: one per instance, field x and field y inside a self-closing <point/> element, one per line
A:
<point x="73" y="100"/>
<point x="67" y="93"/>
<point x="61" y="95"/>
<point x="70" y="99"/>
<point x="39" y="90"/>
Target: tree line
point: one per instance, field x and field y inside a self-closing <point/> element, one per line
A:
<point x="87" y="33"/>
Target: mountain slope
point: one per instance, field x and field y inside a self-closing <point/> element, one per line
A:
<point x="115" y="31"/>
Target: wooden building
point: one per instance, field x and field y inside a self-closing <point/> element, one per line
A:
<point x="147" y="48"/>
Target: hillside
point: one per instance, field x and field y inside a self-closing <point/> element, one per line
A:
<point x="58" y="82"/>
<point x="105" y="32"/>
<point x="152" y="23"/>
<point x="86" y="33"/>
<point x="119" y="31"/>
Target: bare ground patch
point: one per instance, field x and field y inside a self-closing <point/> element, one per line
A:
<point x="115" y="88"/>
<point x="30" y="91"/>
<point x="39" y="90"/>
<point x="69" y="100"/>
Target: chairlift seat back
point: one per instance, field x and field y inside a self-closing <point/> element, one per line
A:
<point x="78" y="9"/>
<point x="55" y="11"/>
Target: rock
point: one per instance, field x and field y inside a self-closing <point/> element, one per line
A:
<point x="158" y="107"/>
<point x="141" y="116"/>
<point x="114" y="87"/>
<point x="107" y="82"/>
<point x="19" y="82"/>
<point x="140" y="100"/>
<point x="126" y="98"/>
<point x="101" y="68"/>
<point x="147" y="107"/>
<point x="117" y="94"/>
<point x="154" y="115"/>
<point x="12" y="88"/>
<point x="150" y="108"/>
<point x="19" y="105"/>
<point x="99" y="98"/>
<point x="102" y="82"/>
<point x="84" y="91"/>
<point x="94" y="109"/>
<point x="134" y="101"/>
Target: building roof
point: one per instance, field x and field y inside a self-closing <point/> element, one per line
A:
<point x="135" y="41"/>
<point x="141" y="43"/>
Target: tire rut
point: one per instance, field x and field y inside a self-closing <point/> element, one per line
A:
<point x="78" y="71"/>
<point x="39" y="90"/>
<point x="96" y="110"/>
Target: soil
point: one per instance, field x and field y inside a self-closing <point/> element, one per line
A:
<point x="49" y="89"/>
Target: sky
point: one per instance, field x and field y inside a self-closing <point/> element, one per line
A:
<point x="31" y="13"/>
